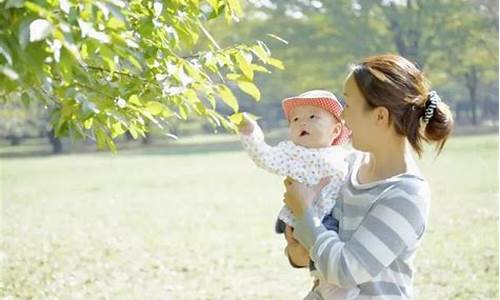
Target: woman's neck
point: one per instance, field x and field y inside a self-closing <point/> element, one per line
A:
<point x="386" y="162"/>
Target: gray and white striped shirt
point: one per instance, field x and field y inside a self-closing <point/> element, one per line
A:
<point x="380" y="226"/>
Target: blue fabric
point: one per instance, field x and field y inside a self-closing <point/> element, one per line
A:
<point x="328" y="221"/>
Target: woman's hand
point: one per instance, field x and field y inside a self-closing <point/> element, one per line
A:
<point x="298" y="196"/>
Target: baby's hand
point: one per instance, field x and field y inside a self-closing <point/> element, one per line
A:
<point x="247" y="125"/>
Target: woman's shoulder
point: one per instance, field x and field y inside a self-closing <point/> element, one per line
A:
<point x="412" y="183"/>
<point x="410" y="195"/>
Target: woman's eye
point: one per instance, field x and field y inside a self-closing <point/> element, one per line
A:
<point x="312" y="117"/>
<point x="295" y="119"/>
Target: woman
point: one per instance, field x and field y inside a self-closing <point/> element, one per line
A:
<point x="383" y="206"/>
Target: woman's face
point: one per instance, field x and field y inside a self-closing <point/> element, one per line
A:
<point x="359" y="118"/>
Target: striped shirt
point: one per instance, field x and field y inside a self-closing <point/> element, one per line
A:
<point x="380" y="227"/>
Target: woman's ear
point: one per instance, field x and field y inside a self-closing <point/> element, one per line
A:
<point x="381" y="116"/>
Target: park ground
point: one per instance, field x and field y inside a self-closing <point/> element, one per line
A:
<point x="195" y="221"/>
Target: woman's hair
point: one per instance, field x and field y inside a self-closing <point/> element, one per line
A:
<point x="393" y="82"/>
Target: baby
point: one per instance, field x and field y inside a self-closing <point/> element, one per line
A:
<point x="313" y="152"/>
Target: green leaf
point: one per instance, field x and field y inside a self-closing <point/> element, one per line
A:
<point x="111" y="145"/>
<point x="66" y="65"/>
<point x="87" y="124"/>
<point x="276" y="63"/>
<point x="214" y="4"/>
<point x="258" y="68"/>
<point x="133" y="131"/>
<point x="211" y="100"/>
<point x="236" y="118"/>
<point x="227" y="96"/>
<point x="191" y="96"/>
<point x="100" y="138"/>
<point x="26" y="99"/>
<point x="133" y="60"/>
<point x="235" y="7"/>
<point x="249" y="88"/>
<point x="154" y="107"/>
<point x="166" y="113"/>
<point x="108" y="56"/>
<point x="10" y="73"/>
<point x="277" y="38"/>
<point x="5" y="52"/>
<point x="117" y="129"/>
<point x="261" y="53"/>
<point x="232" y="76"/>
<point x="114" y="23"/>
<point x="133" y="99"/>
<point x="183" y="111"/>
<point x="200" y="108"/>
<point x="244" y="65"/>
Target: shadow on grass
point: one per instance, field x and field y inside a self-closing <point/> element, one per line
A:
<point x="183" y="149"/>
<point x="34" y="154"/>
<point x="31" y="151"/>
<point x="43" y="150"/>
<point x="190" y="148"/>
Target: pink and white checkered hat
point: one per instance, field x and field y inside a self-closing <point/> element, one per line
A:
<point x="324" y="100"/>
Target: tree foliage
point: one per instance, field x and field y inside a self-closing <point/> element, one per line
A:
<point x="106" y="67"/>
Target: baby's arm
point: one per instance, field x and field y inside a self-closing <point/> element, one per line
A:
<point x="273" y="159"/>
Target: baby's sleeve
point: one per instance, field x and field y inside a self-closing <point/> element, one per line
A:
<point x="273" y="159"/>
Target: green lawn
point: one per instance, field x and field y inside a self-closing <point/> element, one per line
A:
<point x="196" y="222"/>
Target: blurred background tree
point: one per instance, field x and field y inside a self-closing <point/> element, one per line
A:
<point x="454" y="42"/>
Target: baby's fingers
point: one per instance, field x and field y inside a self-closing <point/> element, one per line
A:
<point x="324" y="181"/>
<point x="289" y="235"/>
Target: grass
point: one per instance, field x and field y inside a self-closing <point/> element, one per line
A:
<point x="196" y="222"/>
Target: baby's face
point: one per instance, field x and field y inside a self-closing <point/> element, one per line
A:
<point x="313" y="127"/>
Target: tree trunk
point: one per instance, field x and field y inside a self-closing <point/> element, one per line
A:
<point x="129" y="136"/>
<point x="55" y="142"/>
<point x="146" y="140"/>
<point x="14" y="140"/>
<point x="471" y="80"/>
<point x="407" y="40"/>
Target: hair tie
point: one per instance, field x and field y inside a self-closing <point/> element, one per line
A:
<point x="430" y="105"/>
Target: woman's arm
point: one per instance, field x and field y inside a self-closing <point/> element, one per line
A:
<point x="395" y="223"/>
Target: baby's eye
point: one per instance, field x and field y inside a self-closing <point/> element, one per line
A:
<point x="295" y="119"/>
<point x="312" y="117"/>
